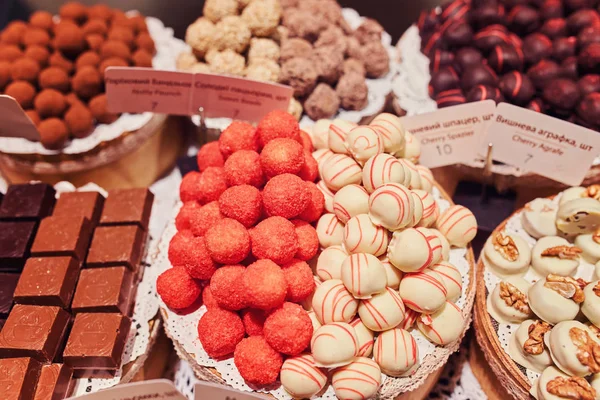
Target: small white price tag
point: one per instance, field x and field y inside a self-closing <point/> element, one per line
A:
<point x="451" y="135"/>
<point x="156" y="389"/>
<point x="547" y="146"/>
<point x="205" y="391"/>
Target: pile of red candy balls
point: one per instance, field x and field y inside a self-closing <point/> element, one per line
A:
<point x="244" y="238"/>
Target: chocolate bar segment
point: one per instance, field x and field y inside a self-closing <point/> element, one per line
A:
<point x="27" y="202"/>
<point x="8" y="283"/>
<point x="18" y="378"/>
<point x="97" y="341"/>
<point x="33" y="331"/>
<point x="54" y="382"/>
<point x="48" y="281"/>
<point x="79" y="204"/>
<point x="104" y="290"/>
<point x="15" y="244"/>
<point x="62" y="236"/>
<point x="114" y="246"/>
<point x="128" y="206"/>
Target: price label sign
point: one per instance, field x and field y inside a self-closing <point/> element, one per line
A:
<point x="541" y="144"/>
<point x="15" y="123"/>
<point x="204" y="391"/>
<point x="154" y="389"/>
<point x="451" y="135"/>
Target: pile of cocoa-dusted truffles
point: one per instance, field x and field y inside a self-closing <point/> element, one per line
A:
<point x="304" y="44"/>
<point x="55" y="69"/>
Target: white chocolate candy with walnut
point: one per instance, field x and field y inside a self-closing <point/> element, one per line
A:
<point x="591" y="305"/>
<point x="555" y="255"/>
<point x="414" y="249"/>
<point x="417" y="210"/>
<point x="451" y="277"/>
<point x="526" y="345"/>
<point x="393" y="274"/>
<point x="358" y="380"/>
<point x="424" y="292"/>
<point x="431" y="210"/>
<point x="363" y="142"/>
<point x="381" y="169"/>
<point x="327" y="194"/>
<point x="338" y="130"/>
<point x="553" y="384"/>
<point x="320" y="134"/>
<point x="330" y="231"/>
<point x="332" y="302"/>
<point x="301" y="378"/>
<point x="329" y="263"/>
<point x="365" y="336"/>
<point x="334" y="345"/>
<point x="340" y="170"/>
<point x="396" y="352"/>
<point x="590" y="246"/>
<point x="361" y="235"/>
<point x="444" y="326"/>
<point x="574" y="348"/>
<point x="444" y="242"/>
<point x="458" y="224"/>
<point x="391" y="130"/>
<point x="415" y="177"/>
<point x="556" y="298"/>
<point x="350" y="201"/>
<point x="391" y="206"/>
<point x="412" y="148"/>
<point x="579" y="216"/>
<point x="571" y="193"/>
<point x="538" y="218"/>
<point x="383" y="311"/>
<point x="506" y="254"/>
<point x="427" y="180"/>
<point x="508" y="302"/>
<point x="363" y="275"/>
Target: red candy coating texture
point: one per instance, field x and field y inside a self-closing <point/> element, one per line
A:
<point x="190" y="189"/>
<point x="243" y="168"/>
<point x="265" y="285"/>
<point x="182" y="221"/>
<point x="286" y="196"/>
<point x="278" y="124"/>
<point x="288" y="329"/>
<point x="242" y="203"/>
<point x="212" y="183"/>
<point x="177" y="289"/>
<point x="238" y="136"/>
<point x="310" y="169"/>
<point x="227" y="287"/>
<point x="306" y="141"/>
<point x="274" y="239"/>
<point x="254" y="320"/>
<point x="220" y="331"/>
<point x="204" y="218"/>
<point x="210" y="156"/>
<point x="316" y="204"/>
<point x="281" y="156"/>
<point x="308" y="240"/>
<point x="178" y="247"/>
<point x="299" y="279"/>
<point x="228" y="242"/>
<point x="196" y="259"/>
<point x="257" y="362"/>
<point x="208" y="299"/>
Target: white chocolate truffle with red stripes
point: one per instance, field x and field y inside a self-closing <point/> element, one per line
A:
<point x="427" y="180"/>
<point x="383" y="311"/>
<point x="340" y="170"/>
<point x="361" y="235"/>
<point x="327" y="194"/>
<point x="363" y="275"/>
<point x="366" y="337"/>
<point x="334" y="345"/>
<point x="382" y="169"/>
<point x="444" y="326"/>
<point x="332" y="302"/>
<point x="314" y="320"/>
<point x="391" y="206"/>
<point x="417" y="210"/>
<point x="338" y="130"/>
<point x="415" y="177"/>
<point x="414" y="249"/>
<point x="396" y="352"/>
<point x="350" y="201"/>
<point x="329" y="263"/>
<point x="444" y="242"/>
<point x="330" y="230"/>
<point x="301" y="378"/>
<point x="356" y="381"/>
<point x="412" y="148"/>
<point x="423" y="291"/>
<point x="307" y="303"/>
<point x="431" y="210"/>
<point x="458" y="224"/>
<point x="451" y="277"/>
<point x="363" y="142"/>
<point x="393" y="274"/>
<point x="321" y="156"/>
<point x="410" y="319"/>
<point x="320" y="134"/>
<point x="391" y="130"/>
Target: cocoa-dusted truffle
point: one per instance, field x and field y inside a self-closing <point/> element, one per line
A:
<point x="563" y="48"/>
<point x="589" y="58"/>
<point x="73" y="10"/>
<point x="42" y="20"/>
<point x="231" y="33"/>
<point x="23" y="92"/>
<point x="262" y="17"/>
<point x="554" y="28"/>
<point x="99" y="109"/>
<point x="88" y="58"/>
<point x="353" y="91"/>
<point x="101" y="11"/>
<point x="123" y="34"/>
<point x="295" y="47"/>
<point x="13" y="33"/>
<point x="330" y="10"/>
<point x="562" y="94"/>
<point x="79" y="120"/>
<point x="111" y="62"/>
<point x="139" y="23"/>
<point x="543" y="72"/>
<point x="50" y="103"/>
<point x="70" y="40"/>
<point x="141" y="58"/>
<point x="55" y="78"/>
<point x="39" y="54"/>
<point x="589" y="84"/>
<point x="5" y="74"/>
<point x="58" y="60"/>
<point x="300" y="74"/>
<point x="25" y="69"/>
<point x="10" y="52"/>
<point x="33" y="116"/>
<point x="523" y="19"/>
<point x="536" y="47"/>
<point x="296" y="21"/>
<point x="516" y="87"/>
<point x="198" y="35"/>
<point x="589" y="109"/>
<point x="332" y="36"/>
<point x="114" y="48"/>
<point x="72" y="99"/>
<point x="87" y="82"/>
<point x="467" y="57"/>
<point x="478" y="75"/>
<point x="94" y="41"/>
<point x="215" y="10"/>
<point x="369" y="31"/>
<point x="119" y="18"/>
<point x="504" y="58"/>
<point x="95" y="26"/>
<point x="445" y="79"/>
<point x="353" y="47"/>
<point x="354" y="66"/>
<point x="323" y="102"/>
<point x="376" y="59"/>
<point x="53" y="133"/>
<point x="64" y="24"/>
<point x="36" y="36"/>
<point x="328" y="63"/>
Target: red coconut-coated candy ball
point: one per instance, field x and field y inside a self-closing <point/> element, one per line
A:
<point x="265" y="285"/>
<point x="286" y="196"/>
<point x="189" y="188"/>
<point x="243" y="168"/>
<point x="310" y="170"/>
<point x="274" y="239"/>
<point x="288" y="329"/>
<point x="308" y="240"/>
<point x="178" y="245"/>
<point x="191" y="253"/>
<point x="228" y="242"/>
<point x="278" y="124"/>
<point x="208" y="299"/>
<point x="210" y="156"/>
<point x="227" y="288"/>
<point x="257" y="362"/>
<point x="220" y="331"/>
<point x="306" y="141"/>
<point x="204" y="219"/>
<point x="212" y="183"/>
<point x="182" y="221"/>
<point x="316" y="204"/>
<point x="242" y="203"/>
<point x="177" y="289"/>
<point x="299" y="279"/>
<point x="238" y="136"/>
<point x="254" y="320"/>
<point x="281" y="156"/>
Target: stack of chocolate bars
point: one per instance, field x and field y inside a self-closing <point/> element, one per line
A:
<point x="68" y="272"/>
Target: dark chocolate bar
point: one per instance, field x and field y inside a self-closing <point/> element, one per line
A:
<point x="54" y="382"/>
<point x="114" y="246"/>
<point x="27" y="202"/>
<point x="128" y="206"/>
<point x="8" y="283"/>
<point x="18" y="378"/>
<point x="15" y="244"/>
<point x="62" y="236"/>
<point x="104" y="290"/>
<point x="79" y="204"/>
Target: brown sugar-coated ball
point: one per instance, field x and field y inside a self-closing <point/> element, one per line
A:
<point x="114" y="48"/>
<point x="58" y="60"/>
<point x="112" y="62"/>
<point x="5" y="75"/>
<point x="94" y="41"/>
<point x="122" y="34"/>
<point x="87" y="82"/>
<point x="70" y="40"/>
<point x="23" y="93"/>
<point x="100" y="11"/>
<point x="144" y="41"/>
<point x="42" y="20"/>
<point x="141" y="58"/>
<point x="55" y="78"/>
<point x="36" y="36"/>
<point x="99" y="109"/>
<point x="139" y="23"/>
<point x="39" y="54"/>
<point x="13" y="33"/>
<point x="75" y="11"/>
<point x="97" y="26"/>
<point x="64" y="24"/>
<point x="10" y="52"/>
<point x="79" y="120"/>
<point x="72" y="99"/>
<point x="25" y="69"/>
<point x="89" y="58"/>
<point x="53" y="133"/>
<point x="50" y="103"/>
<point x="120" y="19"/>
<point x="33" y="116"/>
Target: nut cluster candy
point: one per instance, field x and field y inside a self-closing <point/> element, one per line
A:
<point x="55" y="70"/>
<point x="543" y="55"/>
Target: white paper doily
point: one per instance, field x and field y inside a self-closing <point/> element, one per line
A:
<point x="167" y="49"/>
